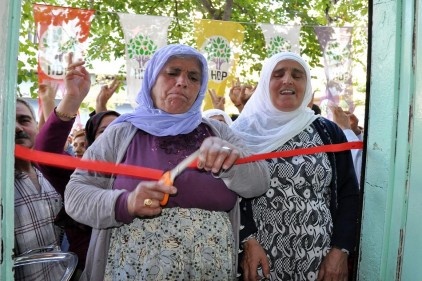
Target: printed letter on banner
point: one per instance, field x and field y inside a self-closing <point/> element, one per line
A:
<point x="220" y="42"/>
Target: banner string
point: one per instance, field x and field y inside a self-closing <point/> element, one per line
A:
<point x="97" y="12"/>
<point x="70" y="162"/>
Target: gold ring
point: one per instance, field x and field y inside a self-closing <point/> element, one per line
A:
<point x="147" y="202"/>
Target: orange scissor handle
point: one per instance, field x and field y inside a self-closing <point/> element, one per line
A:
<point x="166" y="178"/>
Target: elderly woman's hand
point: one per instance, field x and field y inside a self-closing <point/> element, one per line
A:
<point x="216" y="155"/>
<point x="334" y="266"/>
<point x="254" y="256"/>
<point x="144" y="200"/>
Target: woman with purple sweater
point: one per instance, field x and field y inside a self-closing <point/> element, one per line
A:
<point x="52" y="137"/>
<point x="194" y="236"/>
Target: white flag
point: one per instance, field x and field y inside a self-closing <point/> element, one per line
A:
<point x="144" y="35"/>
<point x="279" y="38"/>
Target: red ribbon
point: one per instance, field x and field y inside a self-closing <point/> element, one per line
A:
<point x="69" y="162"/>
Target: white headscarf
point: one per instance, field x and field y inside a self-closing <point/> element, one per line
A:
<point x="215" y="112"/>
<point x="264" y="127"/>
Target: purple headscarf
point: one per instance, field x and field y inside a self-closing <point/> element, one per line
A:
<point x="156" y="121"/>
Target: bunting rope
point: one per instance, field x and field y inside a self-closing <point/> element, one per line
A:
<point x="70" y="162"/>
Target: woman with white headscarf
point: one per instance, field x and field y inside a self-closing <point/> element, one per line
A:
<point x="305" y="225"/>
<point x="217" y="114"/>
<point x="193" y="236"/>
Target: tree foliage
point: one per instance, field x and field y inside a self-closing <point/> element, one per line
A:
<point x="107" y="39"/>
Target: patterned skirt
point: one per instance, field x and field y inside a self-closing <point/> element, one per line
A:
<point x="180" y="244"/>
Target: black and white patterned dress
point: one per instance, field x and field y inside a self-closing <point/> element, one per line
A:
<point x="293" y="218"/>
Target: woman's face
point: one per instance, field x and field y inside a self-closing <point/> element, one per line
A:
<point x="287" y="85"/>
<point x="219" y="118"/>
<point x="177" y="85"/>
<point x="103" y="124"/>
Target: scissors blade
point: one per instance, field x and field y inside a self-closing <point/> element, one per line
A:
<point x="183" y="165"/>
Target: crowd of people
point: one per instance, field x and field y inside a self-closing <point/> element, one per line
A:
<point x="283" y="218"/>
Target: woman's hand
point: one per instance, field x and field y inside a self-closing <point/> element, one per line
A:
<point x="77" y="79"/>
<point x="144" y="200"/>
<point x="334" y="266"/>
<point x="47" y="92"/>
<point x="217" y="155"/>
<point x="254" y="256"/>
<point x="217" y="101"/>
<point x="77" y="83"/>
<point x="240" y="94"/>
<point x="105" y="94"/>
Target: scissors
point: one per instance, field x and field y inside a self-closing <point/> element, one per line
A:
<point x="169" y="176"/>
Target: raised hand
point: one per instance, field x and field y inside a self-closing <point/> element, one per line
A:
<point x="339" y="116"/>
<point x="47" y="92"/>
<point x="246" y="93"/>
<point x="105" y="94"/>
<point x="77" y="79"/>
<point x="354" y="123"/>
<point x="217" y="102"/>
<point x="77" y="85"/>
<point x="240" y="94"/>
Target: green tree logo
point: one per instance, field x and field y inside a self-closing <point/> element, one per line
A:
<point x="278" y="44"/>
<point x="218" y="50"/>
<point x="337" y="53"/>
<point x="140" y="48"/>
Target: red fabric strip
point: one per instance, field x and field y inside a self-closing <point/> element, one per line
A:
<point x="311" y="150"/>
<point x="69" y="162"/>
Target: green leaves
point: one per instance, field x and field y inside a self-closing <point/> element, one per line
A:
<point x="107" y="39"/>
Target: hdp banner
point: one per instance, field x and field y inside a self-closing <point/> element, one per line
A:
<point x="335" y="44"/>
<point x="60" y="30"/>
<point x="144" y="35"/>
<point x="220" y="42"/>
<point x="279" y="38"/>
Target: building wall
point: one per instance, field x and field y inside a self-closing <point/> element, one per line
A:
<point x="390" y="247"/>
<point x="9" y="32"/>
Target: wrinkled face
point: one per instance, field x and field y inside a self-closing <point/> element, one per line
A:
<point x="79" y="145"/>
<point x="177" y="85"/>
<point x="104" y="123"/>
<point x="287" y="85"/>
<point x="26" y="127"/>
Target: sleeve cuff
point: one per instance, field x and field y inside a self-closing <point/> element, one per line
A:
<point x="120" y="209"/>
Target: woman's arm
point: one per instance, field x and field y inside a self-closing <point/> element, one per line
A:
<point x="248" y="180"/>
<point x="347" y="212"/>
<point x="89" y="198"/>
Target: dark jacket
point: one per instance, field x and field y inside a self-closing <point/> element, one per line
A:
<point x="344" y="206"/>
